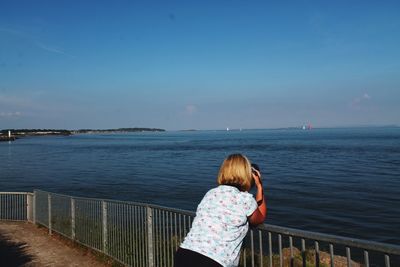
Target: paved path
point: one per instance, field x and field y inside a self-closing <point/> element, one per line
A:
<point x="24" y="244"/>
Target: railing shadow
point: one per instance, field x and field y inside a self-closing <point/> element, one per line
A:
<point x="13" y="254"/>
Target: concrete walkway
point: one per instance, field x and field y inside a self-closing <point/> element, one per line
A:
<point x="24" y="244"/>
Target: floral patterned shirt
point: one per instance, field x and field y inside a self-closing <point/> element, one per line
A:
<point x="221" y="224"/>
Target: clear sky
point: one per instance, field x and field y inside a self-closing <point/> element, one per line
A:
<point x="199" y="64"/>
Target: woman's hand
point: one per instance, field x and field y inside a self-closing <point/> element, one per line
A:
<point x="257" y="177"/>
<point x="260" y="213"/>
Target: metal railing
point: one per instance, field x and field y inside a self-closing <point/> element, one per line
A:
<point x="16" y="206"/>
<point x="137" y="234"/>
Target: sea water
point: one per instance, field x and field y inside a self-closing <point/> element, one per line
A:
<point x="343" y="181"/>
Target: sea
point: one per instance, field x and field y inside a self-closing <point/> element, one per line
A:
<point x="342" y="181"/>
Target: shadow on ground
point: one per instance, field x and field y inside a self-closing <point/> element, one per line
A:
<point x="13" y="254"/>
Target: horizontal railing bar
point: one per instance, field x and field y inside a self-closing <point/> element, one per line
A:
<point x="16" y="193"/>
<point x="185" y="212"/>
<point x="338" y="240"/>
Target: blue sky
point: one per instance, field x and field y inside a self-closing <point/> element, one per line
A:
<point x="199" y="64"/>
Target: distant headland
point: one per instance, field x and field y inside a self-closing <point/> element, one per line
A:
<point x="119" y="130"/>
<point x="12" y="134"/>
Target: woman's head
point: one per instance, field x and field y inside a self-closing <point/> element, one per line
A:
<point x="236" y="171"/>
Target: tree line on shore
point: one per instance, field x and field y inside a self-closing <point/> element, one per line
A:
<point x="25" y="132"/>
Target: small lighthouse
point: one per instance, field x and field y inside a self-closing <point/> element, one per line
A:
<point x="9" y="134"/>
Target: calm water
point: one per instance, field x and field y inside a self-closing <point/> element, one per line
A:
<point x="338" y="181"/>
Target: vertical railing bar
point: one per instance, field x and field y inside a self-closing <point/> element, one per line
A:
<point x="34" y="207"/>
<point x="180" y="227"/>
<point x="280" y="250"/>
<point x="131" y="235"/>
<point x="303" y="252"/>
<point x="291" y="251"/>
<point x="5" y="207"/>
<point x="366" y="258"/>
<point x="7" y="203"/>
<point x="162" y="256"/>
<point x="134" y="255"/>
<point x="387" y="261"/>
<point x="260" y="247"/>
<point x="171" y="238"/>
<point x="316" y="253"/>
<point x="49" y="211"/>
<point x="87" y="211"/>
<point x="150" y="236"/>
<point x="146" y="241"/>
<point x="270" y="248"/>
<point x="12" y="203"/>
<point x="348" y="254"/>
<point x="2" y="217"/>
<point x="176" y="232"/>
<point x="140" y="237"/>
<point x="73" y="218"/>
<point x="165" y="240"/>
<point x="8" y="211"/>
<point x="136" y="238"/>
<point x="184" y="225"/>
<point x="104" y="232"/>
<point x="92" y="220"/>
<point x="125" y="234"/>
<point x="244" y="256"/>
<point x="332" y="255"/>
<point x="252" y="247"/>
<point x="156" y="238"/>
<point x="165" y="232"/>
<point x="117" y="231"/>
<point x="143" y="236"/>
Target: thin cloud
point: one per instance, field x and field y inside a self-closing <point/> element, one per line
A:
<point x="14" y="32"/>
<point x="49" y="48"/>
<point x="366" y="96"/>
<point x="10" y="114"/>
<point x="30" y="39"/>
<point x="14" y="102"/>
<point x="190" y="109"/>
<point x="359" y="101"/>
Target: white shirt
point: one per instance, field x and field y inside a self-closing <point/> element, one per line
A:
<point x="221" y="224"/>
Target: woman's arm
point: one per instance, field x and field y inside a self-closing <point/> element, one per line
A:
<point x="260" y="213"/>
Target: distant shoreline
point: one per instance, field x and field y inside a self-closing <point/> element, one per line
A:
<point x="18" y="133"/>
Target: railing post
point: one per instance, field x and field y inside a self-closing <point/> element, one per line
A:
<point x="34" y="207"/>
<point x="150" y="236"/>
<point x="105" y="239"/>
<point x="49" y="211"/>
<point x="72" y="218"/>
<point x="29" y="203"/>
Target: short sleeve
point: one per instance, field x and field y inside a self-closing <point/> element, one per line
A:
<point x="249" y="204"/>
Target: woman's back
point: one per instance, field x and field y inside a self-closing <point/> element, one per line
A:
<point x="221" y="224"/>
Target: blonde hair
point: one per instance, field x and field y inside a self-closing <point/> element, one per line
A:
<point x="236" y="171"/>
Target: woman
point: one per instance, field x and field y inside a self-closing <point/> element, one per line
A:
<point x="223" y="217"/>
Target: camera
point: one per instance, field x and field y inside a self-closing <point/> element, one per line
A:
<point x="255" y="167"/>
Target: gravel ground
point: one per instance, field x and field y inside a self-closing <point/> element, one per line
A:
<point x="24" y="244"/>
